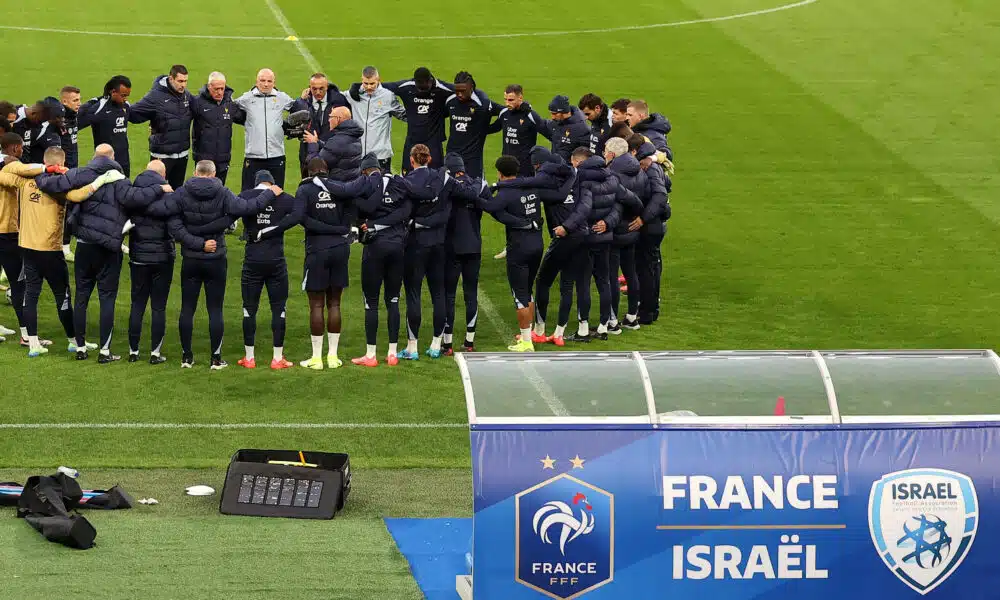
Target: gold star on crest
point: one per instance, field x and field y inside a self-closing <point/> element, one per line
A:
<point x="548" y="462"/>
<point x="577" y="462"/>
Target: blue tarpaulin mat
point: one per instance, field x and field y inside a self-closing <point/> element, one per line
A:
<point x="435" y="549"/>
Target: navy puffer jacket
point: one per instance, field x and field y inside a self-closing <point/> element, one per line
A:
<point x="630" y="175"/>
<point x="202" y="210"/>
<point x="342" y="151"/>
<point x="169" y="116"/>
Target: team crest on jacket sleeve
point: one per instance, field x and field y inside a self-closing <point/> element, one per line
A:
<point x="923" y="523"/>
<point x="565" y="538"/>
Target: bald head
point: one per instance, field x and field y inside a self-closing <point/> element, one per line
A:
<point x="265" y="80"/>
<point x="338" y="115"/>
<point x="157" y="167"/>
<point x="104" y="150"/>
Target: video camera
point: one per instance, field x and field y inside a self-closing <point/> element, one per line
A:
<point x="297" y="124"/>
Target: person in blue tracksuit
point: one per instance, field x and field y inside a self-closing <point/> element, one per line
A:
<point x="214" y="113"/>
<point x="520" y="211"/>
<point x="520" y="125"/>
<point x="264" y="266"/>
<point x="384" y="207"/>
<point x="463" y="255"/>
<point x="424" y="98"/>
<point x="470" y="111"/>
<point x="202" y="210"/>
<point x="567" y="130"/>
<point x="107" y="118"/>
<point x="327" y="222"/>
<point x="652" y="229"/>
<point x="566" y="213"/>
<point x="425" y="248"/>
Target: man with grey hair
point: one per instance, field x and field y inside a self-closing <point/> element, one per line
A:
<point x="201" y="210"/>
<point x="265" y="107"/>
<point x="214" y="113"/>
<point x="373" y="107"/>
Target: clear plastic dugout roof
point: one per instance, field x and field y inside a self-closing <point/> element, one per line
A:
<point x="731" y="387"/>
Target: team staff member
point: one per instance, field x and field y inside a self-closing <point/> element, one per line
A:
<point x="107" y="118"/>
<point x="625" y="166"/>
<point x="342" y="149"/>
<point x="463" y="256"/>
<point x="214" y="113"/>
<point x="424" y="99"/>
<point x="264" y="266"/>
<point x="167" y="107"/>
<point x="199" y="224"/>
<point x="567" y="130"/>
<point x="265" y="106"/>
<point x="100" y="224"/>
<point x="599" y="116"/>
<point x="320" y="98"/>
<point x="11" y="147"/>
<point x="566" y="218"/>
<point x="327" y="223"/>
<point x="384" y="208"/>
<point x="151" y="265"/>
<point x="520" y="125"/>
<point x="654" y="126"/>
<point x="652" y="229"/>
<point x="374" y="107"/>
<point x="470" y="111"/>
<point x="520" y="211"/>
<point x="40" y="239"/>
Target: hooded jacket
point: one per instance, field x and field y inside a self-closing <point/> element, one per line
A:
<point x="627" y="169"/>
<point x="383" y="203"/>
<point x="342" y="151"/>
<point x="212" y="136"/>
<point x="607" y="195"/>
<point x="656" y="127"/>
<point x="265" y="134"/>
<point x="202" y="209"/>
<point x="149" y="242"/>
<point x="100" y="219"/>
<point x="169" y="116"/>
<point x="567" y="135"/>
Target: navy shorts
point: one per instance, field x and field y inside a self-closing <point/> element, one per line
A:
<point x="327" y="269"/>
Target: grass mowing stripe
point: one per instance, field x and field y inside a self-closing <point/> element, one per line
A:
<point x="283" y="21"/>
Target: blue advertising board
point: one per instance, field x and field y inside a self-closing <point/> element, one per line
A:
<point x="822" y="513"/>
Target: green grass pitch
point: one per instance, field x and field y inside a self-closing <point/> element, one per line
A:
<point x="836" y="187"/>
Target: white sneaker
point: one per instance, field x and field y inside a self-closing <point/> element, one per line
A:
<point x="89" y="346"/>
<point x="501" y="255"/>
<point x="125" y="249"/>
<point x="69" y="256"/>
<point x="5" y="331"/>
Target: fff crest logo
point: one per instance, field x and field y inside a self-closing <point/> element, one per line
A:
<point x="923" y="522"/>
<point x="565" y="537"/>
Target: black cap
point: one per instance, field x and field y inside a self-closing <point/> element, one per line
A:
<point x="53" y="108"/>
<point x="540" y="155"/>
<point x="454" y="163"/>
<point x="263" y="176"/>
<point x="560" y="104"/>
<point x="370" y="161"/>
<point x="645" y="150"/>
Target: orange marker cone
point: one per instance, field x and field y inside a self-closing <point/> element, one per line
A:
<point x="779" y="407"/>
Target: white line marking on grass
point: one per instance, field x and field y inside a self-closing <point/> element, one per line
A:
<point x="545" y="391"/>
<point x="233" y="425"/>
<point x="305" y="52"/>
<point x="292" y="37"/>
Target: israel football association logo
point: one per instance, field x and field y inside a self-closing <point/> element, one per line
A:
<point x="923" y="523"/>
<point x="565" y="537"/>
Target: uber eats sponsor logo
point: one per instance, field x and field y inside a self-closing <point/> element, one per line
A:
<point x="564" y="537"/>
<point x="923" y="523"/>
<point x="776" y="507"/>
